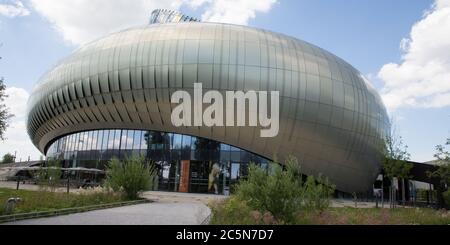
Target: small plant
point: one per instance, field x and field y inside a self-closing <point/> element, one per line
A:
<point x="131" y="176"/>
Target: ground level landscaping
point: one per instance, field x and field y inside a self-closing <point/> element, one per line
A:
<point x="38" y="201"/>
<point x="278" y="197"/>
<point x="232" y="212"/>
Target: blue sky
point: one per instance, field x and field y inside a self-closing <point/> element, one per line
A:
<point x="366" y="33"/>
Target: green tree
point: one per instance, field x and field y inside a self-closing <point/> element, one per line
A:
<point x="4" y="111"/>
<point x="395" y="162"/>
<point x="54" y="173"/>
<point x="443" y="172"/>
<point x="8" y="158"/>
<point x="443" y="160"/>
<point x="131" y="176"/>
<point x="49" y="176"/>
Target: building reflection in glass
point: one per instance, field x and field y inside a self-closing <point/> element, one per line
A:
<point x="213" y="166"/>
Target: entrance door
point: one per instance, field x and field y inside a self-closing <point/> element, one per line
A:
<point x="199" y="177"/>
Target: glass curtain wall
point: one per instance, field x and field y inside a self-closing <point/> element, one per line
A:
<point x="214" y="166"/>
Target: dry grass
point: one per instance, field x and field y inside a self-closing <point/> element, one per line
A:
<point x="234" y="212"/>
<point x="34" y="201"/>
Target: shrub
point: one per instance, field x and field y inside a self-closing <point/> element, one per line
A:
<point x="317" y="193"/>
<point x="446" y="196"/>
<point x="232" y="212"/>
<point x="282" y="192"/>
<point x="130" y="176"/>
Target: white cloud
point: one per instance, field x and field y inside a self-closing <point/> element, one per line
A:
<point x="422" y="79"/>
<point x="16" y="134"/>
<point x="13" y="9"/>
<point x="236" y="11"/>
<point x="81" y="21"/>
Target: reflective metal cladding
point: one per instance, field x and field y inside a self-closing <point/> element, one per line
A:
<point x="331" y="118"/>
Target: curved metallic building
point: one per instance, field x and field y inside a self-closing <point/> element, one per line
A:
<point x="331" y="118"/>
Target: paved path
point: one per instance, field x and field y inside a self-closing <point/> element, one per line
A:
<point x="143" y="214"/>
<point x="177" y="197"/>
<point x="345" y="203"/>
<point x="167" y="209"/>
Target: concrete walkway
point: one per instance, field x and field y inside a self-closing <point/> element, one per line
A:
<point x="143" y="214"/>
<point x="167" y="209"/>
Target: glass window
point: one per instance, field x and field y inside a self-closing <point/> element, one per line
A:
<point x="63" y="145"/>
<point x="264" y="166"/>
<point x="90" y="140"/>
<point x="86" y="140"/>
<point x="197" y="143"/>
<point x="177" y="138"/>
<point x="77" y="142"/>
<point x="225" y="156"/>
<point x="99" y="140"/>
<point x="144" y="144"/>
<point x="232" y="148"/>
<point x="117" y="139"/>
<point x="187" y="142"/>
<point x="235" y="171"/>
<point x="225" y="147"/>
<point x="235" y="156"/>
<point x="124" y="140"/>
<point x="105" y="139"/>
<point x="94" y="140"/>
<point x="111" y="139"/>
<point x="67" y="146"/>
<point x="130" y="139"/>
<point x="70" y="144"/>
<point x="83" y="141"/>
<point x="137" y="140"/>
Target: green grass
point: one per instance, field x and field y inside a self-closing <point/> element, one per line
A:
<point x="234" y="212"/>
<point x="36" y="201"/>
